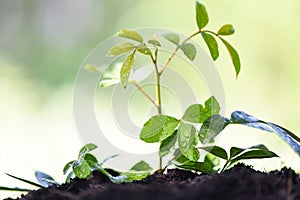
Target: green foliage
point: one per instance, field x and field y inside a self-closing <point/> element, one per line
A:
<point x="201" y="15"/>
<point x="120" y="49"/>
<point x="234" y="57"/>
<point x="132" y="35"/>
<point x="238" y="154"/>
<point x="226" y="29"/>
<point x="189" y="50"/>
<point x="212" y="45"/>
<point x="158" y="128"/>
<point x="172" y="37"/>
<point x="126" y="69"/>
<point x="200" y="124"/>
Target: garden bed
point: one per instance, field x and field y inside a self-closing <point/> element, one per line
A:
<point x="240" y="182"/>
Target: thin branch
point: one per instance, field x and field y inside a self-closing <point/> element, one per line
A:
<point x="175" y="51"/>
<point x="145" y="93"/>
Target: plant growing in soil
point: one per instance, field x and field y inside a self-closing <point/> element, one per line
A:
<point x="180" y="137"/>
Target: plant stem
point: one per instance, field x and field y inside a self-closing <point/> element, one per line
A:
<point x="157" y="85"/>
<point x="158" y="97"/>
<point x="145" y="93"/>
<point x="225" y="166"/>
<point x="175" y="51"/>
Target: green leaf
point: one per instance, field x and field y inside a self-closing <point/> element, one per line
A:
<point x="255" y="154"/>
<point x="81" y="169"/>
<point x="154" y="42"/>
<point x="213" y="161"/>
<point x="186" y="137"/>
<point x="167" y="144"/>
<point x="211" y="128"/>
<point x="130" y="35"/>
<point x="120" y="49"/>
<point x="240" y="117"/>
<point x="134" y="175"/>
<point x="196" y="113"/>
<point x="226" y="29"/>
<point x="235" y="151"/>
<point x="197" y="166"/>
<point x="126" y="69"/>
<point x="212" y="45"/>
<point x="216" y="151"/>
<point x="111" y="75"/>
<point x="193" y="113"/>
<point x="179" y="157"/>
<point x="234" y="57"/>
<point x="144" y="49"/>
<point x="211" y="107"/>
<point x="26" y="181"/>
<point x="201" y="15"/>
<point x="86" y="148"/>
<point x="44" y="179"/>
<point x="158" y="128"/>
<point x="16" y="189"/>
<point x="172" y="37"/>
<point x="70" y="175"/>
<point x="68" y="166"/>
<point x="141" y="166"/>
<point x="91" y="160"/>
<point x="189" y="50"/>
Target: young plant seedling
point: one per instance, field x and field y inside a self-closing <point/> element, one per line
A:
<point x="181" y="136"/>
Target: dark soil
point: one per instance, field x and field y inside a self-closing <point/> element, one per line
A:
<point x="237" y="183"/>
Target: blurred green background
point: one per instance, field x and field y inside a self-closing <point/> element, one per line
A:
<point x="43" y="43"/>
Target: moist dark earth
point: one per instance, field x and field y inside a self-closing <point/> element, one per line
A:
<point x="238" y="183"/>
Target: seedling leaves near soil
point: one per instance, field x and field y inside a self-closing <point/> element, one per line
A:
<point x="234" y="57"/>
<point x="130" y="35"/>
<point x="137" y="172"/>
<point x="141" y="166"/>
<point x="201" y="15"/>
<point x="197" y="166"/>
<point x="120" y="49"/>
<point x="26" y="181"/>
<point x="187" y="141"/>
<point x="237" y="154"/>
<point x="86" y="148"/>
<point x="212" y="45"/>
<point x="189" y="50"/>
<point x="16" y="189"/>
<point x="226" y="29"/>
<point x="216" y="151"/>
<point x="171" y="37"/>
<point x="158" y="128"/>
<point x="167" y="144"/>
<point x="45" y="179"/>
<point x="126" y="69"/>
<point x="240" y="117"/>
